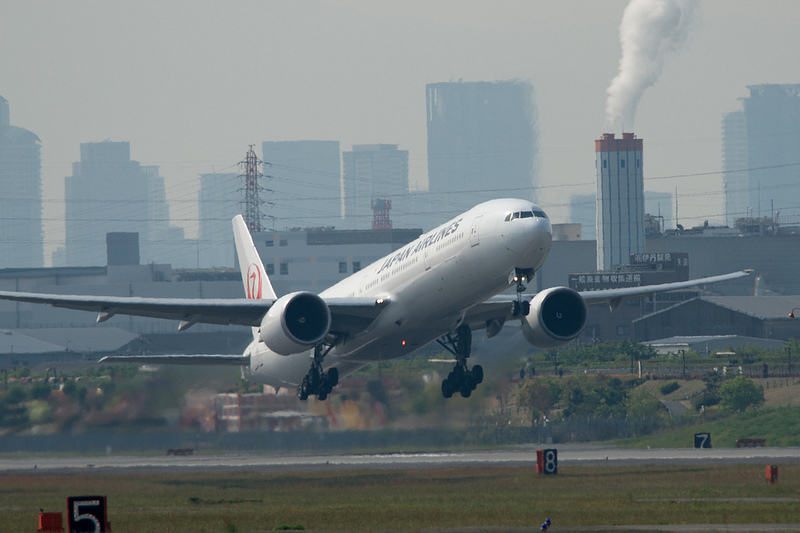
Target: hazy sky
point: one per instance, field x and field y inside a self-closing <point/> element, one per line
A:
<point x="190" y="84"/>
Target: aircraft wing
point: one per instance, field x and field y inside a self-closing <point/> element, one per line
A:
<point x="614" y="297"/>
<point x="501" y="308"/>
<point x="236" y="360"/>
<point x="348" y="315"/>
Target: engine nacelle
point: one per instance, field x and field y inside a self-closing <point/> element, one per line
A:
<point x="557" y="317"/>
<point x="295" y="323"/>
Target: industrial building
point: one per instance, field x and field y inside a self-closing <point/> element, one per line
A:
<point x="482" y="144"/>
<point x="765" y="317"/>
<point x="21" y="237"/>
<point x="620" y="199"/>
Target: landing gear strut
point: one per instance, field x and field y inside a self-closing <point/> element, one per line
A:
<point x="461" y="379"/>
<point x="318" y="382"/>
<point x="522" y="275"/>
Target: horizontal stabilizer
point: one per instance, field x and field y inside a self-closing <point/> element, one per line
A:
<point x="230" y="360"/>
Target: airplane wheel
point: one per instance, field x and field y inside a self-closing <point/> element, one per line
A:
<point x="333" y="377"/>
<point x="323" y="395"/>
<point x="447" y="389"/>
<point x="302" y="389"/>
<point x="477" y="374"/>
<point x="466" y="390"/>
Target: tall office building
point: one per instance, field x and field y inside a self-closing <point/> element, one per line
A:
<point x="303" y="184"/>
<point x="107" y="193"/>
<point x="481" y="143"/>
<point x="21" y="237"/>
<point x="764" y="139"/>
<point x="219" y="200"/>
<point x="620" y="199"/>
<point x="738" y="196"/>
<point x="372" y="172"/>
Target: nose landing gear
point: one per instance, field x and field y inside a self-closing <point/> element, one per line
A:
<point x="461" y="379"/>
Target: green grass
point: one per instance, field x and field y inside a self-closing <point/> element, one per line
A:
<point x="779" y="427"/>
<point x="410" y="499"/>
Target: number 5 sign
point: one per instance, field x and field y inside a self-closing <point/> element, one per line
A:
<point x="87" y="514"/>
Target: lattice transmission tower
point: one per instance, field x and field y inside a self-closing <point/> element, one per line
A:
<point x="252" y="202"/>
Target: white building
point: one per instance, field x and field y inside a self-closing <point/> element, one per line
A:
<point x="620" y="199"/>
<point x="315" y="259"/>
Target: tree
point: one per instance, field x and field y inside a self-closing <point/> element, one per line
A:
<point x="539" y="394"/>
<point x="739" y="393"/>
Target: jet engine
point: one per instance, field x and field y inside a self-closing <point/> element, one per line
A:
<point x="295" y="323"/>
<point x="558" y="315"/>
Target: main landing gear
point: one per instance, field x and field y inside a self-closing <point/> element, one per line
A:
<point x="461" y="379"/>
<point x="318" y="382"/>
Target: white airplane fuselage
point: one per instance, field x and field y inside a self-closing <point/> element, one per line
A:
<point x="430" y="283"/>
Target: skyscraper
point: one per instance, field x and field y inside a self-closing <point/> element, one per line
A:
<point x="481" y="142"/>
<point x="371" y="172"/>
<point x="620" y="199"/>
<point x="761" y="154"/>
<point x="108" y="192"/>
<point x="21" y="238"/>
<point x="303" y="184"/>
<point x="219" y="200"/>
<point x="738" y="196"/>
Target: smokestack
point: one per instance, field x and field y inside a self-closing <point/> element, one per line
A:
<point x="620" y="199"/>
<point x="649" y="29"/>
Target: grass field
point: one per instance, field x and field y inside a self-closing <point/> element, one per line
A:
<point x="234" y="501"/>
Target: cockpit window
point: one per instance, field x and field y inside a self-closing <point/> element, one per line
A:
<point x="536" y="213"/>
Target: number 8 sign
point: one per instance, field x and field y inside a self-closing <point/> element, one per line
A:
<point x="547" y="461"/>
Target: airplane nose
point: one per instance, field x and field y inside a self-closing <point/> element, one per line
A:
<point x="533" y="242"/>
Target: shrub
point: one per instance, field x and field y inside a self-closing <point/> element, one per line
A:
<point x="672" y="386"/>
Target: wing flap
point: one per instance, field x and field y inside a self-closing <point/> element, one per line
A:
<point x="233" y="360"/>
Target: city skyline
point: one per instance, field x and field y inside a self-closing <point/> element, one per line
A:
<point x="356" y="71"/>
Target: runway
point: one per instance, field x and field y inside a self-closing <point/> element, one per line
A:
<point x="567" y="455"/>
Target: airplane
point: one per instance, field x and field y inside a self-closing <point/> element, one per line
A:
<point x="440" y="288"/>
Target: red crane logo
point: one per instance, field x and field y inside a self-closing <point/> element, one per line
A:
<point x="254" y="282"/>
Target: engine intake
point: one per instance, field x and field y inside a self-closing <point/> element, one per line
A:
<point x="295" y="323"/>
<point x="557" y="317"/>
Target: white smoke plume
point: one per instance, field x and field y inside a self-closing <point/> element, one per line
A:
<point x="649" y="29"/>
